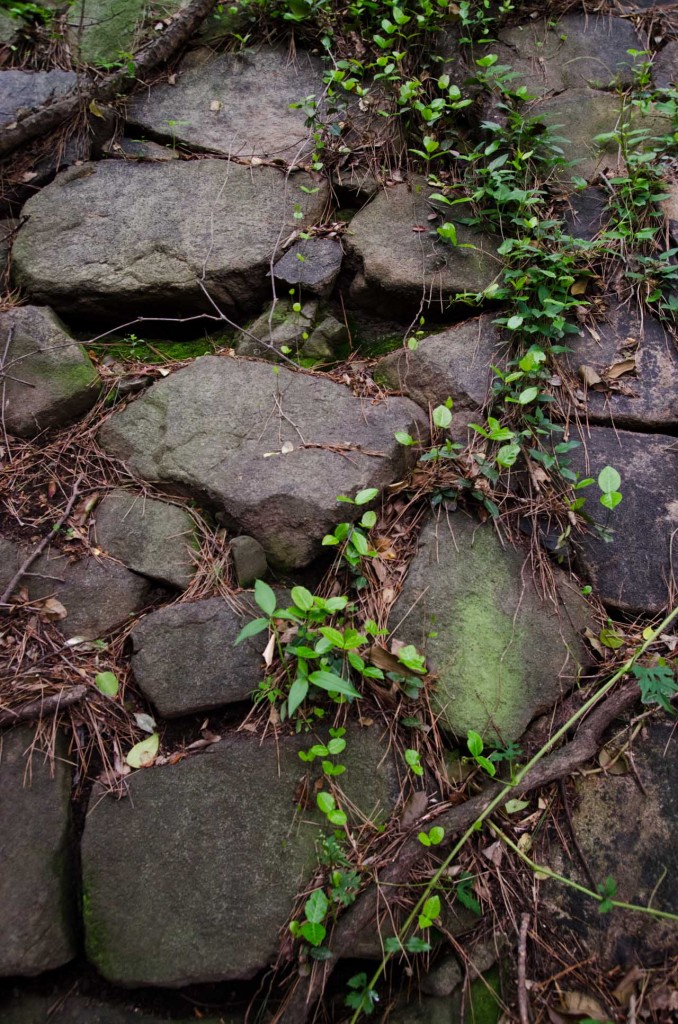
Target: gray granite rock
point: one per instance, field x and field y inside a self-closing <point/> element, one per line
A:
<point x="221" y="882"/>
<point x="98" y="594"/>
<point x="11" y="557"/>
<point x="150" y="537"/>
<point x="631" y="835"/>
<point x="326" y="339"/>
<point x="633" y="572"/>
<point x="586" y="214"/>
<point x="400" y="260"/>
<point x="50" y="380"/>
<point x="281" y="327"/>
<point x="313" y="264"/>
<point x="455" y="363"/>
<point x="249" y="560"/>
<point x="665" y="66"/>
<point x="164" y="228"/>
<point x="579" y="50"/>
<point x="36" y="884"/>
<point x="235" y="104"/>
<point x="247" y="413"/>
<point x="24" y="91"/>
<point x="646" y="397"/>
<point x="185" y="660"/>
<point x="499" y="651"/>
<point x="99" y="31"/>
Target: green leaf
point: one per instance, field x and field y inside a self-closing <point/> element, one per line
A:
<point x="442" y="417"/>
<point x="302" y="598"/>
<point x="474" y="743"/>
<point x="423" y="839"/>
<point x="610" y="639"/>
<point x="436" y="835"/>
<point x="609" y="480"/>
<point x="416" y="945"/>
<point x="431" y="908"/>
<point x="527" y="396"/>
<point x="507" y="455"/>
<point x="369" y="519"/>
<point x="251" y="629"/>
<point x="329" y="538"/>
<point x="657" y="684"/>
<point x="392" y="945"/>
<point x="513" y="806"/>
<point x="514" y="322"/>
<point x="333" y="635"/>
<point x="337" y="818"/>
<point x="403" y="438"/>
<point x="326" y="802"/>
<point x="297" y="695"/>
<point x="143" y="754"/>
<point x="366" y="495"/>
<point x="313" y="933"/>
<point x="359" y="542"/>
<point x="333" y="683"/>
<point x="610" y="499"/>
<point x="316" y="907"/>
<point x="485" y="763"/>
<point x="264" y="597"/>
<point x="336" y="746"/>
<point x="107" y="682"/>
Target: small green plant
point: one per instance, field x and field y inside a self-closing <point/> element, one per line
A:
<point x="352" y="540"/>
<point x="413" y="762"/>
<point x="433" y="837"/>
<point x="474" y="742"/>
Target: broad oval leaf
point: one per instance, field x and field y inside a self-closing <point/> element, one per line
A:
<point x="107" y="682"/>
<point x="442" y="417"/>
<point x="316" y="907"/>
<point x="302" y="598"/>
<point x="264" y="597"/>
<point x="609" y="480"/>
<point x="143" y="754"/>
<point x="333" y="683"/>
<point x="251" y="629"/>
<point x="367" y="494"/>
<point x="297" y="694"/>
<point x="326" y="802"/>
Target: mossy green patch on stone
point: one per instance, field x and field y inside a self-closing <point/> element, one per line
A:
<point x="485" y="999"/>
<point x="498" y="650"/>
<point x="138" y="350"/>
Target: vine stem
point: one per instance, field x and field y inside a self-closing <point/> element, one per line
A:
<point x="542" y="870"/>
<point x="515" y="784"/>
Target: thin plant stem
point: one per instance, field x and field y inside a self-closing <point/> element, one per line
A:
<point x="515" y="784"/>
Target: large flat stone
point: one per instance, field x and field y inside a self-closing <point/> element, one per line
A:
<point x="580" y="50"/>
<point x="150" y="537"/>
<point x="219" y="883"/>
<point x="144" y="235"/>
<point x="98" y="594"/>
<point x="501" y="651"/>
<point x="634" y="572"/>
<point x="23" y="91"/>
<point x="455" y="363"/>
<point x="402" y="263"/>
<point x="215" y="430"/>
<point x="631" y="835"/>
<point x="36" y="892"/>
<point x="185" y="661"/>
<point x="99" y="31"/>
<point x="647" y="397"/>
<point x="50" y="380"/>
<point x="236" y="104"/>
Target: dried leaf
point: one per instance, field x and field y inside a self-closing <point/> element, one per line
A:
<point x="287" y="448"/>
<point x="216" y="105"/>
<point x="269" y="650"/>
<point x="580" y="285"/>
<point x="619" y="369"/>
<point x="626" y="986"/>
<point x="388" y="662"/>
<point x="589" y="376"/>
<point x="494" y="853"/>
<point x="579" y="1004"/>
<point x="143" y="754"/>
<point x="418" y="229"/>
<point x="613" y="762"/>
<point x="95" y="109"/>
<point x="52" y="610"/>
<point x="414" y="808"/>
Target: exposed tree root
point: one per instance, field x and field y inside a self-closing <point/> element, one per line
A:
<point x="109" y="88"/>
<point x="43" y="706"/>
<point x="308" y="990"/>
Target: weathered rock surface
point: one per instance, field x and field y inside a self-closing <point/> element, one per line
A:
<point x="23" y="91"/>
<point x="577" y="117"/>
<point x="280" y="327"/>
<point x="209" y="430"/>
<point x="455" y="363"/>
<point x="11" y="557"/>
<point x="665" y="66"/>
<point x="220" y="884"/>
<point x="631" y="835"/>
<point x="633" y="572"/>
<point x="647" y="396"/>
<point x="109" y="234"/>
<point x="98" y="594"/>
<point x="249" y="560"/>
<point x="150" y="537"/>
<point x="65" y="1008"/>
<point x="313" y="264"/>
<point x="50" y="380"/>
<point x="235" y="104"/>
<point x="35" y="874"/>
<point x="99" y="31"/>
<point x="578" y="51"/>
<point x="185" y="661"/>
<point x="587" y="214"/>
<point x="502" y="652"/>
<point x="403" y="263"/>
